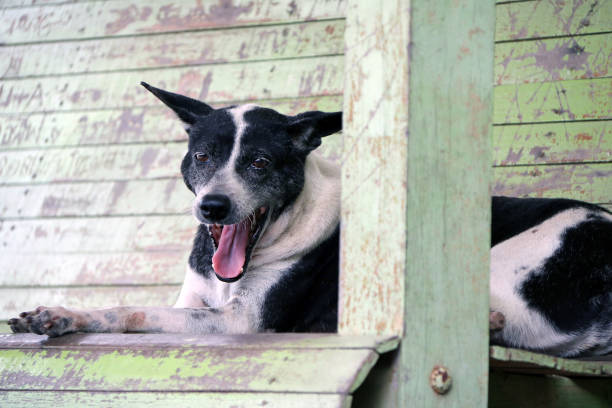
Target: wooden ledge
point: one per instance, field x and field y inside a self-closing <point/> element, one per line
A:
<point x="521" y="361"/>
<point x="222" y="370"/>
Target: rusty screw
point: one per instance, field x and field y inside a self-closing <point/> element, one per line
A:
<point x="440" y="380"/>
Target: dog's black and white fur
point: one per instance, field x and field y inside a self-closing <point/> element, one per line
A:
<point x="265" y="257"/>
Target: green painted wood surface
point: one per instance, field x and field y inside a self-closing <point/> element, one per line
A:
<point x="119" y="17"/>
<point x="278" y="341"/>
<point x="162" y="196"/>
<point x="423" y="138"/>
<point x="211" y="83"/>
<point x="553" y="101"/>
<point x="78" y="269"/>
<point x="110" y="162"/>
<point x="516" y="390"/>
<point x="80" y="399"/>
<point x="186" y="369"/>
<point x="138" y="125"/>
<point x="176" y="49"/>
<point x="553" y="59"/>
<point x="448" y="209"/>
<point x="541" y="143"/>
<point x="374" y="168"/>
<point x="14" y="300"/>
<point x="588" y="182"/>
<point x="98" y="234"/>
<point x="536" y="19"/>
<point x="513" y="360"/>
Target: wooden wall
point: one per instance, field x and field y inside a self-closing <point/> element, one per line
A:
<point x="553" y="99"/>
<point x="92" y="209"/>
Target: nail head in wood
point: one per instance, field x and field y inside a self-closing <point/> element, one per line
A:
<point x="440" y="380"/>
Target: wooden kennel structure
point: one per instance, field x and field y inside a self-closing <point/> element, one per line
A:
<point x="443" y="104"/>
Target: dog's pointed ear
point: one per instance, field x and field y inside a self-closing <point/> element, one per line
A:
<point x="307" y="129"/>
<point x="187" y="109"/>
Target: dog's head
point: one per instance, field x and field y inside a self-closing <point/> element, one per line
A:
<point x="245" y="164"/>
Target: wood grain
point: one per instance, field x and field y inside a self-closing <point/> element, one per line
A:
<point x="541" y="143"/>
<point x="381" y="344"/>
<point x="176" y="49"/>
<point x="587" y="182"/>
<point x="77" y="235"/>
<point x="92" y="163"/>
<point x="555" y="59"/>
<point x="165" y="399"/>
<point x="92" y="269"/>
<point x="536" y="19"/>
<point x="120" y="17"/>
<point x="210" y="83"/>
<point x="553" y="101"/>
<point x="166" y="196"/>
<point x="128" y="125"/>
<point x="16" y="300"/>
<point x="220" y="370"/>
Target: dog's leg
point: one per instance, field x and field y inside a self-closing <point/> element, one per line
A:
<point x="56" y="321"/>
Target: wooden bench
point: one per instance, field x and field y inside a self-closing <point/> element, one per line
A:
<point x="93" y="211"/>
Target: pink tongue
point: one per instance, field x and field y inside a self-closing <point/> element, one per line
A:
<point x="231" y="253"/>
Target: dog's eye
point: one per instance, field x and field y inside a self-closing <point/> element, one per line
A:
<point x="202" y="157"/>
<point x="260" y="163"/>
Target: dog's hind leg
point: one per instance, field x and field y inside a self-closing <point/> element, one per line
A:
<point x="56" y="321"/>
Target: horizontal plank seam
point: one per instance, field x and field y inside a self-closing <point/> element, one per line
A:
<point x="551" y="122"/>
<point x="512" y="2"/>
<point x="98" y="216"/>
<point x="549" y="37"/>
<point x="568" y="163"/>
<point x="168" y="67"/>
<point x="196" y="30"/>
<point x="59" y="3"/>
<point x="566" y="36"/>
<point x="215" y="103"/>
<point x="169" y="389"/>
<point x="109" y="347"/>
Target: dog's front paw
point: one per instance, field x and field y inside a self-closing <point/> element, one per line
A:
<point x="52" y="321"/>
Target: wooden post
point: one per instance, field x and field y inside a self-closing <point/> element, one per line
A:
<point x="416" y="205"/>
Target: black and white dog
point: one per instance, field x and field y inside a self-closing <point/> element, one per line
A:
<point x="265" y="257"/>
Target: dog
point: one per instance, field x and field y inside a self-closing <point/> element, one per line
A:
<point x="265" y="255"/>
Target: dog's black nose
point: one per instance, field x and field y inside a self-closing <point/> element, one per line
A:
<point x="215" y="207"/>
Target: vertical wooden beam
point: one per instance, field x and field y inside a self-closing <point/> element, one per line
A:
<point x="374" y="167"/>
<point x="416" y="205"/>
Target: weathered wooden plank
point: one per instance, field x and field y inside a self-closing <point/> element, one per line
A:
<point x="250" y="370"/>
<point x="92" y="163"/>
<point x="536" y="19"/>
<point x="16" y="300"/>
<point x="143" y="233"/>
<point x="553" y="59"/>
<point x="177" y="399"/>
<point x="397" y="134"/>
<point x="552" y="143"/>
<point x="553" y="101"/>
<point x="211" y="83"/>
<point x="588" y="182"/>
<point x="278" y="341"/>
<point x="166" y="196"/>
<point x="146" y="52"/>
<point x="27" y="3"/>
<point x="371" y="140"/>
<point x="147" y="124"/>
<point x="120" y="17"/>
<point x="125" y="268"/>
<point x="550" y="391"/>
<point x="513" y="360"/>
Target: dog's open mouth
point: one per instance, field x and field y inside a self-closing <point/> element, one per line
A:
<point x="234" y="244"/>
